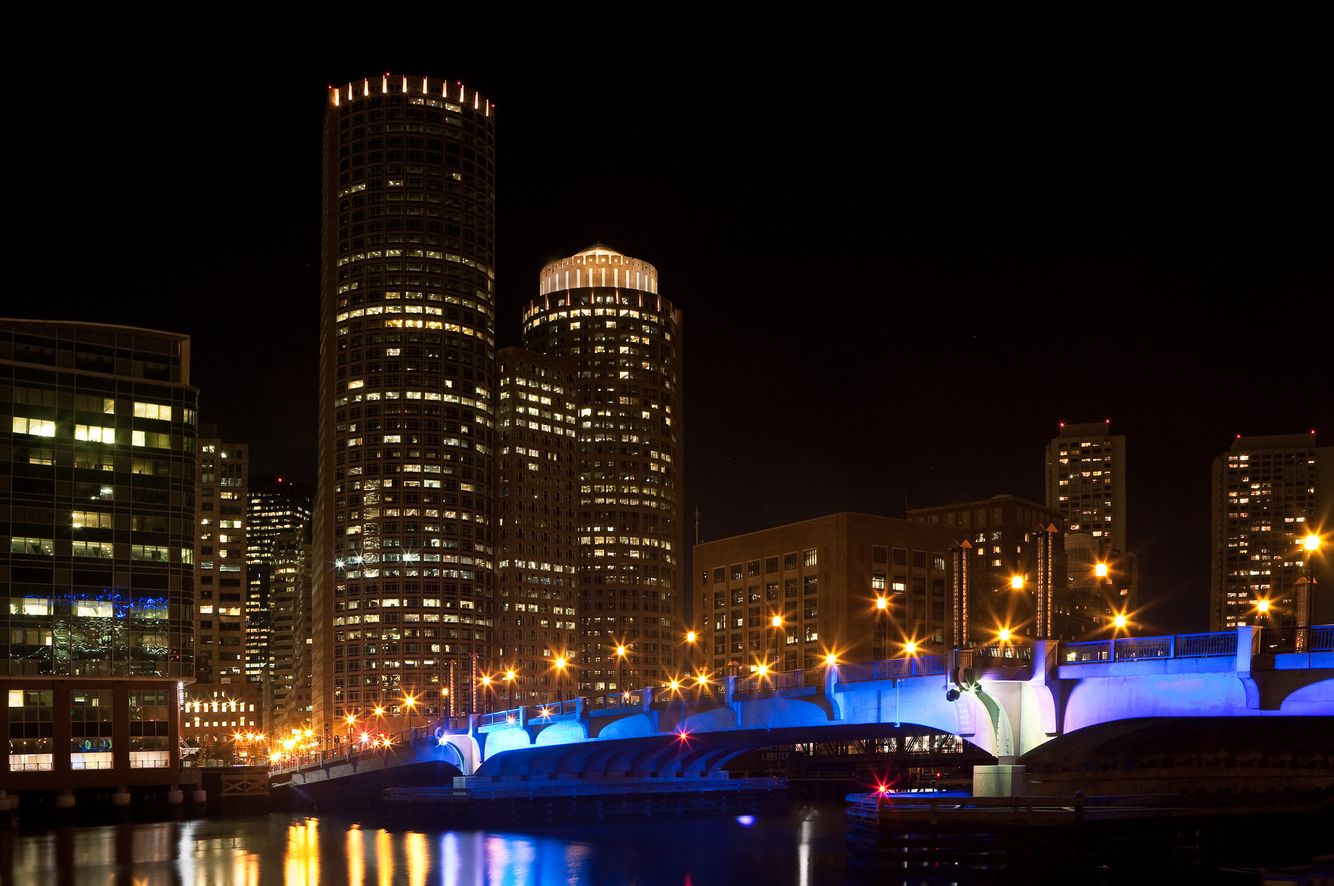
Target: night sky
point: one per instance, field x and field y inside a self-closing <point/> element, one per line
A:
<point x="900" y="266"/>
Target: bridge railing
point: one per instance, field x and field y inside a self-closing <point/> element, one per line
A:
<point x="1205" y="645"/>
<point x="551" y="709"/>
<point x="609" y="700"/>
<point x="891" y="669"/>
<point x="1319" y="638"/>
<point x="1215" y="644"/>
<point x="514" y="715"/>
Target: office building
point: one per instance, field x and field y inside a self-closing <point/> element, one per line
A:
<point x="288" y="697"/>
<point x="277" y="506"/>
<point x="822" y="577"/>
<point x="220" y="564"/>
<point x="537" y="527"/>
<point x="404" y="579"/>
<point x="1268" y="494"/>
<point x="97" y="515"/>
<point x="602" y="311"/>
<point x="1007" y="563"/>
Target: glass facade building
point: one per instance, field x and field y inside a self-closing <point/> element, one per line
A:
<point x="97" y="508"/>
<point x="404" y="562"/>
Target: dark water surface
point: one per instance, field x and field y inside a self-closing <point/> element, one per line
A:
<point x="806" y="846"/>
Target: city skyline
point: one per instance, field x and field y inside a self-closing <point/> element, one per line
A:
<point x="865" y="334"/>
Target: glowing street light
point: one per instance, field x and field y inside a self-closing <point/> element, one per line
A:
<point x="1100" y="570"/>
<point x="409" y="702"/>
<point x="1262" y="606"/>
<point x="1311" y="544"/>
<point x="881" y="613"/>
<point x="1016" y="582"/>
<point x="1119" y="621"/>
<point x="511" y="675"/>
<point x="830" y="660"/>
<point x="910" y="647"/>
<point x="561" y="664"/>
<point x="622" y="652"/>
<point x="1004" y="635"/>
<point x="776" y="622"/>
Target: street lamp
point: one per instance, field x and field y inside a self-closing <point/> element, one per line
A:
<point x="1016" y="582"/>
<point x="881" y="614"/>
<point x="776" y="622"/>
<point x="560" y="664"/>
<point x="622" y="651"/>
<point x="486" y="690"/>
<point x="1311" y="544"/>
<point x="510" y="676"/>
<point x="691" y="637"/>
<point x="409" y="702"/>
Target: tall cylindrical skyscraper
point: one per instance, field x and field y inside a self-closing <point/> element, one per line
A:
<point x="404" y="571"/>
<point x="602" y="311"/>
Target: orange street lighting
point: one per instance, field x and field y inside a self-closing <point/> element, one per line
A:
<point x="1017" y="582"/>
<point x="621" y="651"/>
<point x="910" y="647"/>
<point x="1119" y="620"/>
<point x="881" y="602"/>
<point x="350" y="719"/>
<point x="691" y="636"/>
<point x="1100" y="570"/>
<point x="702" y="679"/>
<point x="1311" y="542"/>
<point x="830" y="660"/>
<point x="1262" y="606"/>
<point x="486" y="680"/>
<point x="776" y="621"/>
<point x="1003" y="635"/>
<point x="379" y="711"/>
<point x="762" y="669"/>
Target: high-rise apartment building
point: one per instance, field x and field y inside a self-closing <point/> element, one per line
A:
<point x="1268" y="493"/>
<point x="1086" y="482"/>
<point x="277" y="507"/>
<point x="97" y="514"/>
<point x="822" y="579"/>
<point x="1086" y="485"/>
<point x="603" y="312"/>
<point x="220" y="564"/>
<point x="537" y="528"/>
<point x="404" y="559"/>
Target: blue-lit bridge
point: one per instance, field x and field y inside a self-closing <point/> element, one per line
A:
<point x="1006" y="701"/>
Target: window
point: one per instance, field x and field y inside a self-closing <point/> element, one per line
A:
<point x="719" y="575"/>
<point x="810" y="557"/>
<point x="770" y="564"/>
<point x="91" y="519"/>
<point x="919" y="559"/>
<point x="95" y="434"/>
<point x="90" y="728"/>
<point x="42" y="547"/>
<point x="149" y="734"/>
<point x="100" y="549"/>
<point x="31" y="725"/>
<point x="879" y="554"/>
<point x="736" y="572"/>
<point x="789" y="589"/>
<point x="877" y="581"/>
<point x="789" y="561"/>
<point x="752" y="568"/>
<point x="153" y="411"/>
<point x="812" y="584"/>
<point x="37" y="427"/>
<point x="900" y="557"/>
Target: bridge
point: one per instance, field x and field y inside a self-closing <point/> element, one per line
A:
<point x="1005" y="700"/>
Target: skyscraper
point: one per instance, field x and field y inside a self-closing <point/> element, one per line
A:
<point x="97" y="424"/>
<point x="537" y="528"/>
<point x="277" y="507"/>
<point x="404" y="562"/>
<point x="602" y="311"/>
<point x="1268" y="493"/>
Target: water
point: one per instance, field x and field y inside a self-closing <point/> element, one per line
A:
<point x="805" y="846"/>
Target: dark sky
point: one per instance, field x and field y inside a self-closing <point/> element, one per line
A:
<point x="900" y="265"/>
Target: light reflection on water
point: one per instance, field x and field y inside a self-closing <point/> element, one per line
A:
<point x="307" y="851"/>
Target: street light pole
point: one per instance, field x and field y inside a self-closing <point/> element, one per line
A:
<point x="1306" y="590"/>
<point x="621" y="652"/>
<point x="777" y="623"/>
